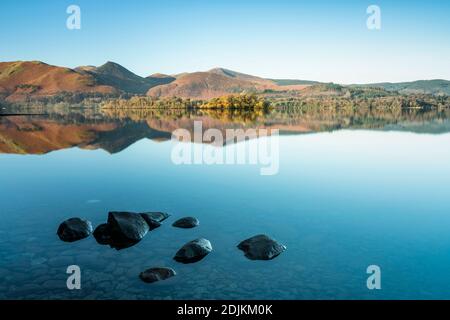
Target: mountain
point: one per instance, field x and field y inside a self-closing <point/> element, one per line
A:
<point x="215" y="83"/>
<point x="436" y="87"/>
<point x="113" y="74"/>
<point x="202" y="85"/>
<point x="241" y="76"/>
<point x="21" y="80"/>
<point x="157" y="79"/>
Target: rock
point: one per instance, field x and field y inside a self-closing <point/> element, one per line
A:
<point x="152" y="223"/>
<point x="187" y="222"/>
<point x="123" y="230"/>
<point x="103" y="234"/>
<point x="127" y="226"/>
<point x="156" y="274"/>
<point x="193" y="251"/>
<point x="157" y="216"/>
<point x="74" y="229"/>
<point x="261" y="247"/>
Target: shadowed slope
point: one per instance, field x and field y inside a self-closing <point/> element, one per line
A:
<point x="115" y="75"/>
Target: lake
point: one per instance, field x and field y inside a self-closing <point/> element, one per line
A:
<point x="348" y="194"/>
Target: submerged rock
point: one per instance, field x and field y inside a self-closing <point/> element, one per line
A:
<point x="123" y="230"/>
<point x="103" y="234"/>
<point x="186" y="222"/>
<point x="127" y="226"/>
<point x="157" y="216"/>
<point x="154" y="219"/>
<point x="193" y="251"/>
<point x="74" y="229"/>
<point x="261" y="247"/>
<point x="156" y="274"/>
<point x="152" y="224"/>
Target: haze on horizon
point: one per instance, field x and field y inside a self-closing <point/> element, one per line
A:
<point x="320" y="40"/>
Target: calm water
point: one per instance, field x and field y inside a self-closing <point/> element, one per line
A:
<point x="342" y="200"/>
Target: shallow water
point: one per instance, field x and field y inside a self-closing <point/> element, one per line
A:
<point x="341" y="201"/>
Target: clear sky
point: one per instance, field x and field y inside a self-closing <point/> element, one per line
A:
<point x="314" y="40"/>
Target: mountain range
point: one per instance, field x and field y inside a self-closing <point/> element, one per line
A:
<point x="24" y="80"/>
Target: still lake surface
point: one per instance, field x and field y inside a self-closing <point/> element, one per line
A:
<point x="344" y="198"/>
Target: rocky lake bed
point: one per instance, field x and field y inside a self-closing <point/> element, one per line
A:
<point x="126" y="229"/>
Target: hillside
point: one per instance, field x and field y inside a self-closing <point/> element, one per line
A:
<point x="202" y="85"/>
<point x="162" y="78"/>
<point x="437" y="87"/>
<point x="242" y="76"/>
<point x="113" y="74"/>
<point x="216" y="83"/>
<point x="21" y="80"/>
<point x="24" y="80"/>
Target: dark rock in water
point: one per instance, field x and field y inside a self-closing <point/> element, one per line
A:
<point x="125" y="229"/>
<point x="74" y="229"/>
<point x="193" y="251"/>
<point x="156" y="274"/>
<point x="154" y="219"/>
<point x="127" y="226"/>
<point x="157" y="216"/>
<point x="261" y="247"/>
<point x="187" y="222"/>
<point x="103" y="234"/>
<point x="152" y="224"/>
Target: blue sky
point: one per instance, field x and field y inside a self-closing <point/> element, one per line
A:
<point x="316" y="40"/>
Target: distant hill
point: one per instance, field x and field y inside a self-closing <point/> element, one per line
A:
<point x="202" y="85"/>
<point x="161" y="76"/>
<point x="242" y="76"/>
<point x="218" y="82"/>
<point x="436" y="87"/>
<point x="21" y="80"/>
<point x="115" y="75"/>
<point x="327" y="89"/>
<point x="292" y="82"/>
<point x="157" y="79"/>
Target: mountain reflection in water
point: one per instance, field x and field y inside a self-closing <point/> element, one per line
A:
<point x="115" y="130"/>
